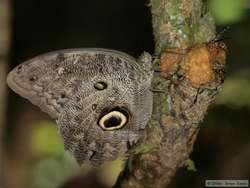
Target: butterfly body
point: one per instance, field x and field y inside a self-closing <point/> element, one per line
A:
<point x="100" y="98"/>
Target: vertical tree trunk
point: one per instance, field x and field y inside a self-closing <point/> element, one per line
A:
<point x="190" y="79"/>
<point x="4" y="47"/>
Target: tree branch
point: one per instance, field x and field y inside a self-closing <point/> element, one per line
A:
<point x="4" y="47"/>
<point x="192" y="71"/>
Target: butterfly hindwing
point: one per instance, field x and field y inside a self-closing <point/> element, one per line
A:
<point x="100" y="98"/>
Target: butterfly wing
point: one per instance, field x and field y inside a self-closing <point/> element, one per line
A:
<point x="126" y="95"/>
<point x="41" y="80"/>
<point x="48" y="80"/>
<point x="80" y="86"/>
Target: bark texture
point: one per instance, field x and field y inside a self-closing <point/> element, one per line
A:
<point x="192" y="71"/>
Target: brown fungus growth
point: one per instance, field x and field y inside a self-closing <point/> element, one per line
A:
<point x="199" y="65"/>
<point x="169" y="62"/>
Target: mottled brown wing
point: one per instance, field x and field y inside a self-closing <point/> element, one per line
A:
<point x="100" y="98"/>
<point x="48" y="80"/>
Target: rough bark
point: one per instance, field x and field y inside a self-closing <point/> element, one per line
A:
<point x="192" y="71"/>
<point x="4" y="46"/>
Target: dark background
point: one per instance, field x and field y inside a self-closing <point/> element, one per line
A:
<point x="34" y="154"/>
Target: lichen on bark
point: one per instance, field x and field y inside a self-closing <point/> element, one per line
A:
<point x="180" y="23"/>
<point x="192" y="72"/>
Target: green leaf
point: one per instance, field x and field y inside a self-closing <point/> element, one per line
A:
<point x="236" y="91"/>
<point x="45" y="139"/>
<point x="190" y="165"/>
<point x="227" y="11"/>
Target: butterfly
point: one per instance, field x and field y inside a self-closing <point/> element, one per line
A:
<point x="100" y="98"/>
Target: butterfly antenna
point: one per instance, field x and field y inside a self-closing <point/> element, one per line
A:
<point x="157" y="91"/>
<point x="218" y="36"/>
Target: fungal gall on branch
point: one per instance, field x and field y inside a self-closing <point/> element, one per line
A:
<point x="203" y="64"/>
<point x="195" y="78"/>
